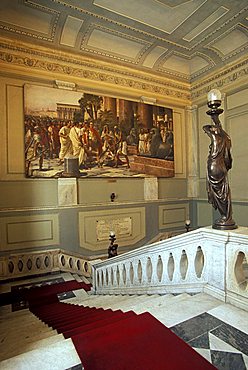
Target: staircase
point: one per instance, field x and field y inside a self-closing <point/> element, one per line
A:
<point x="28" y="343"/>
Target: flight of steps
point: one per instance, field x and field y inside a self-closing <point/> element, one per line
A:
<point x="169" y="309"/>
<point x="27" y="343"/>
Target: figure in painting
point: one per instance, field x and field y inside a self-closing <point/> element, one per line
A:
<point x="34" y="148"/>
<point x="77" y="144"/>
<point x="65" y="142"/>
<point x="132" y="138"/>
<point x="121" y="147"/>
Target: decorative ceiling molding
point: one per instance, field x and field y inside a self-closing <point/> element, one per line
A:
<point x="27" y="32"/>
<point x="107" y="32"/>
<point x="121" y="39"/>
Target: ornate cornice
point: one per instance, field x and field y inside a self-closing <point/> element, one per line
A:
<point x="221" y="79"/>
<point x="65" y="64"/>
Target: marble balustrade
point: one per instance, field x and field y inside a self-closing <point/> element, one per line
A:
<point x="206" y="260"/>
<point x="42" y="262"/>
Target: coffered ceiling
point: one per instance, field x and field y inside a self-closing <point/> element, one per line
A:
<point x="184" y="39"/>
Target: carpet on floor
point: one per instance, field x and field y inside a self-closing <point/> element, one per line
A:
<point x="114" y="340"/>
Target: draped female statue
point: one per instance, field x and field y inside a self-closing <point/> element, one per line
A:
<point x="218" y="164"/>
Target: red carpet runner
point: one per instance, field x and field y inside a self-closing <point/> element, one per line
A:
<point x="113" y="340"/>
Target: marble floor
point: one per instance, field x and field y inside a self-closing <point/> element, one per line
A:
<point x="218" y="331"/>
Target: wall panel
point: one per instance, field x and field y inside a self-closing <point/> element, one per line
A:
<point x="129" y="224"/>
<point x="238" y="129"/>
<point x="179" y="143"/>
<point x="21" y="232"/>
<point x="173" y="215"/>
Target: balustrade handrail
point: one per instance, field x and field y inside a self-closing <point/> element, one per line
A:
<point x="201" y="260"/>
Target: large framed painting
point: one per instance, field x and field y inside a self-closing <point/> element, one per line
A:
<point x="71" y="133"/>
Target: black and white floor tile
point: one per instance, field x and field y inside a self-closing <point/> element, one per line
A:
<point x="225" y="346"/>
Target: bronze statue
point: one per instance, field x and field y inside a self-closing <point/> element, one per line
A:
<point x="218" y="164"/>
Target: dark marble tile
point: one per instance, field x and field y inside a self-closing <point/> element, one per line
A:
<point x="76" y="367"/>
<point x="232" y="336"/>
<point x="65" y="295"/>
<point x="195" y="327"/>
<point x="200" y="342"/>
<point x="227" y="360"/>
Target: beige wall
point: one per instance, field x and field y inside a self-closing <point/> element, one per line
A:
<point x="30" y="211"/>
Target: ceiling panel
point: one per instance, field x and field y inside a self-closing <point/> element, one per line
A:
<point x="184" y="39"/>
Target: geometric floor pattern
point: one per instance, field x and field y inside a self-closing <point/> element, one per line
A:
<point x="222" y="344"/>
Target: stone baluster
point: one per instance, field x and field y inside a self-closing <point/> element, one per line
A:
<point x="121" y="271"/>
<point x="114" y="269"/>
<point x="154" y="262"/>
<point x="191" y="254"/>
<point x="135" y="273"/>
<point x="104" y="285"/>
<point x="127" y="267"/>
<point x="176" y="253"/>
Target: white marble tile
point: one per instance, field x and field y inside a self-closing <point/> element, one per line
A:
<point x="231" y="315"/>
<point x="204" y="353"/>
<point x="245" y="360"/>
<point x="59" y="356"/>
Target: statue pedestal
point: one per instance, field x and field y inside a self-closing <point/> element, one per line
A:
<point x="71" y="167"/>
<point x="153" y="166"/>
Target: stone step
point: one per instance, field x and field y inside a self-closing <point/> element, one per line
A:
<point x="107" y="301"/>
<point x="156" y="302"/>
<point x="18" y="345"/>
<point x="172" y="313"/>
<point x="60" y="355"/>
<point x="130" y="304"/>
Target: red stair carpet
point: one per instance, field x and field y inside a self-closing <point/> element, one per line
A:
<point x="113" y="340"/>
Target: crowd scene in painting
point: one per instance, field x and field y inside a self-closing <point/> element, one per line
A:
<point x="51" y="139"/>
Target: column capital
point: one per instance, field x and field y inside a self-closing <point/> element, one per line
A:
<point x="191" y="108"/>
